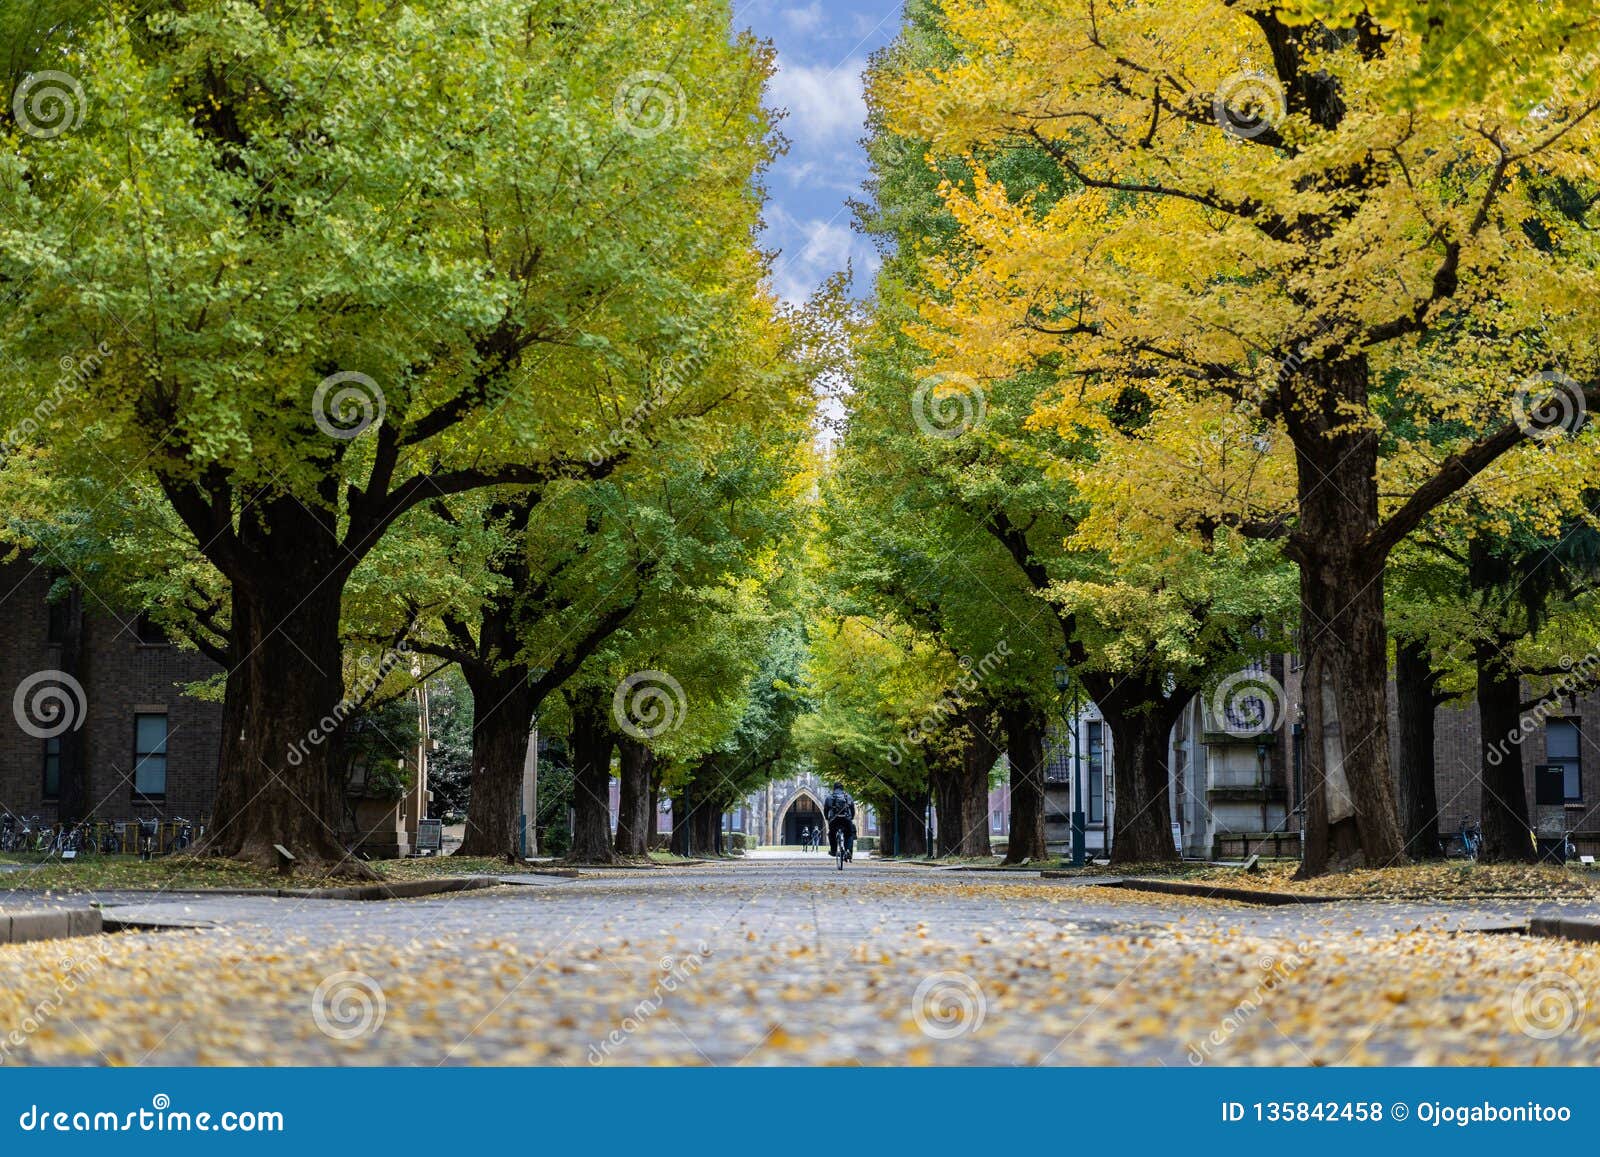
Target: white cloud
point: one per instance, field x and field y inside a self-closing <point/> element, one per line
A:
<point x="807" y="19"/>
<point x="823" y="103"/>
<point x="814" y="249"/>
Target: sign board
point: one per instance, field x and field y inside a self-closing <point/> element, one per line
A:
<point x="1549" y="784"/>
<point x="70" y="854"/>
<point x="1177" y="838"/>
<point x="430" y="835"/>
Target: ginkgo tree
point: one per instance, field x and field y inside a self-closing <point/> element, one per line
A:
<point x="347" y="259"/>
<point x="960" y="515"/>
<point x="879" y="691"/>
<point x="1274" y="209"/>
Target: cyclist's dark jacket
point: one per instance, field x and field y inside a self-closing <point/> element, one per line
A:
<point x="838" y="805"/>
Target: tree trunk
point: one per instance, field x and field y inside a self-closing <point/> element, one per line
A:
<point x="979" y="753"/>
<point x="944" y="781"/>
<point x="293" y="709"/>
<point x="232" y="779"/>
<point x="1351" y="820"/>
<point x="592" y="741"/>
<point x="1142" y="828"/>
<point x="655" y="805"/>
<point x="1503" y="810"/>
<point x="1416" y="684"/>
<point x="682" y="839"/>
<point x="633" y="814"/>
<point x="1024" y="726"/>
<point x="903" y="826"/>
<point x="502" y="719"/>
<point x="707" y="822"/>
<point x="278" y="783"/>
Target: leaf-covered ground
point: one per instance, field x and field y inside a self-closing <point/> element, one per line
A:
<point x="1450" y="879"/>
<point x="795" y="962"/>
<point x="94" y="874"/>
<point x="1445" y="880"/>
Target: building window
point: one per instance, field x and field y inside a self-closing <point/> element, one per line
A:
<point x="57" y="614"/>
<point x="1097" y="773"/>
<point x="150" y="755"/>
<point x="1561" y="738"/>
<point x="149" y="634"/>
<point x="52" y="767"/>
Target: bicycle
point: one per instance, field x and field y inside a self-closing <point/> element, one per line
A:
<point x="69" y="841"/>
<point x="844" y="847"/>
<point x="1471" y="837"/>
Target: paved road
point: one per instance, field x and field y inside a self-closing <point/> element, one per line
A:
<point x="787" y="960"/>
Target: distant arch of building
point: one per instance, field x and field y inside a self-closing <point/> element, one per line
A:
<point x="801" y="808"/>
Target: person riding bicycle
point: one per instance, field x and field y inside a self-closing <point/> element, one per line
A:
<point x="839" y="810"/>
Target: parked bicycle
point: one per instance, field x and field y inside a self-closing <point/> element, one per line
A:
<point x="69" y="841"/>
<point x="1471" y="837"/>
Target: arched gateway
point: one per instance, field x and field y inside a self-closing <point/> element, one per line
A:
<point x="802" y="811"/>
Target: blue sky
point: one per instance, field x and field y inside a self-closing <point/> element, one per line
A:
<point x="823" y="47"/>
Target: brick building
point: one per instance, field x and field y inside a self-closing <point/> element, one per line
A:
<point x="144" y="749"/>
<point x="102" y="703"/>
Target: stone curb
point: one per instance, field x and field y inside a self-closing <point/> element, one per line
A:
<point x="1209" y="891"/>
<point x="398" y="890"/>
<point x="49" y="924"/>
<point x="395" y="890"/>
<point x="1565" y="928"/>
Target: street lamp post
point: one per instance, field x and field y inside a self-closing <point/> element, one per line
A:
<point x="1079" y="827"/>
